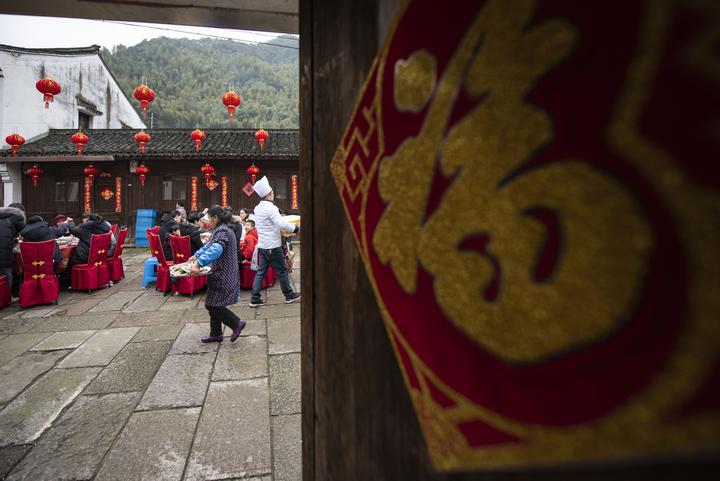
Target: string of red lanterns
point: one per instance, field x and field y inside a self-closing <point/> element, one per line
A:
<point x="253" y="171"/>
<point x="91" y="172"/>
<point x="79" y="139"/>
<point x="49" y="88"/>
<point x="15" y="140"/>
<point x="143" y="171"/>
<point x="208" y="171"/>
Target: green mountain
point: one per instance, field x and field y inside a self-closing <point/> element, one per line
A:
<point x="190" y="77"/>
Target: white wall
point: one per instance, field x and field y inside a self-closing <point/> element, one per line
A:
<point x="22" y="108"/>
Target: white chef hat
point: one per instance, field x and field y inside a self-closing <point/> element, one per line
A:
<point x="262" y="187"/>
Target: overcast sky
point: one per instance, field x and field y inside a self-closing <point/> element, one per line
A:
<point x="38" y="32"/>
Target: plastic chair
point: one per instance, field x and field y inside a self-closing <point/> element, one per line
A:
<point x="149" y="271"/>
<point x="94" y="274"/>
<point x="162" y="283"/>
<point x="4" y="291"/>
<point x="115" y="263"/>
<point x="40" y="285"/>
<point x="181" y="253"/>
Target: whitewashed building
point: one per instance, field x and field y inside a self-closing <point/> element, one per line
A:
<point x="90" y="99"/>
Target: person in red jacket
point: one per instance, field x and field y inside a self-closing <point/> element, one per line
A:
<point x="248" y="243"/>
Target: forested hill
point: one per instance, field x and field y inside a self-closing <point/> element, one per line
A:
<point x="190" y="77"/>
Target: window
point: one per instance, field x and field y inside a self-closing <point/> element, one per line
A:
<point x="59" y="191"/>
<point x="280" y="186"/>
<point x="73" y="191"/>
<point x="167" y="189"/>
<point x="180" y="190"/>
<point x="84" y="121"/>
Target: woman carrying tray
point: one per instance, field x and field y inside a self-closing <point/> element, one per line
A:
<point x="223" y="281"/>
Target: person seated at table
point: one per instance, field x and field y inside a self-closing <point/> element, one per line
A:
<point x="12" y="221"/>
<point x="94" y="224"/>
<point x="38" y="230"/>
<point x="248" y="243"/>
<point x="191" y="230"/>
<point x="195" y="218"/>
<point x="64" y="222"/>
<point x="169" y="224"/>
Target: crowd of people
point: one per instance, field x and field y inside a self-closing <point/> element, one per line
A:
<point x="219" y="237"/>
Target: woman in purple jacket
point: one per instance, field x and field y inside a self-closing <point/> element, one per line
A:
<point x="223" y="281"/>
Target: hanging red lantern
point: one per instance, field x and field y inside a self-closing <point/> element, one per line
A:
<point x="198" y="136"/>
<point x="232" y="101"/>
<point x="35" y="172"/>
<point x="253" y="172"/>
<point x="208" y="171"/>
<point x="145" y="95"/>
<point x="15" y="141"/>
<point x="91" y="172"/>
<point x="142" y="138"/>
<point x="142" y="170"/>
<point x="49" y="88"/>
<point x="261" y="136"/>
<point x="80" y="139"/>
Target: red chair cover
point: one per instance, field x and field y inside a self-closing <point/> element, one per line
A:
<point x="95" y="273"/>
<point x="152" y="230"/>
<point x="40" y="285"/>
<point x="4" y="292"/>
<point x="247" y="276"/>
<point x="115" y="263"/>
<point x="163" y="270"/>
<point x="113" y="228"/>
<point x="181" y="253"/>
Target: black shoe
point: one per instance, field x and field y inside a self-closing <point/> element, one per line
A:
<point x="257" y="303"/>
<point x="294" y="298"/>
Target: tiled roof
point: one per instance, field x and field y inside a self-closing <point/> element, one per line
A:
<point x="93" y="49"/>
<point x="165" y="143"/>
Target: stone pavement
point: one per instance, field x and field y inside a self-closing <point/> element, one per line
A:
<point x="115" y="385"/>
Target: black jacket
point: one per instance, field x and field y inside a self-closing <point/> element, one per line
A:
<point x="12" y="221"/>
<point x="84" y="232"/>
<point x="41" y="231"/>
<point x="194" y="233"/>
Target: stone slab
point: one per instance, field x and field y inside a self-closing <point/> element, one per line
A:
<point x="162" y="332"/>
<point x="94" y="321"/>
<point x="287" y="447"/>
<point x="18" y="325"/>
<point x="153" y="446"/>
<point x="179" y="303"/>
<point x="132" y="369"/>
<point x="243" y="359"/>
<point x="134" y="284"/>
<point x="14" y="345"/>
<point x="17" y="374"/>
<point x="9" y="457"/>
<point x="243" y="311"/>
<point x="63" y="340"/>
<point x="37" y="311"/>
<point x="146" y="303"/>
<point x="283" y="335"/>
<point x="75" y="307"/>
<point x="23" y="420"/>
<point x="181" y="381"/>
<point x="148" y="318"/>
<point x="74" y="447"/>
<point x="116" y="301"/>
<point x="188" y="341"/>
<point x="233" y="435"/>
<point x="285" y="384"/>
<point x="100" y="349"/>
<point x="282" y="310"/>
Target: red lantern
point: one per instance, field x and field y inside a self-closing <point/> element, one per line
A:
<point x="142" y="170"/>
<point x="49" y="88"/>
<point x="208" y="171"/>
<point x="80" y="139"/>
<point x="142" y="138"/>
<point x="35" y="172"/>
<point x="15" y="141"/>
<point x="253" y="171"/>
<point x="198" y="136"/>
<point x="261" y="137"/>
<point x="91" y="172"/>
<point x="145" y="95"/>
<point x="232" y="101"/>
